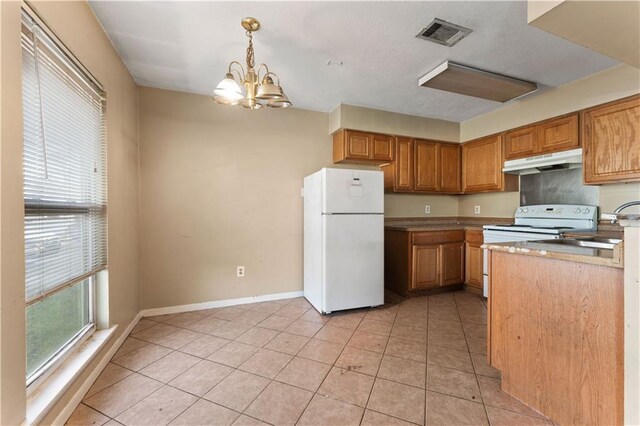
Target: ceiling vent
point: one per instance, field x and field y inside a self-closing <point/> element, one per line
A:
<point x="443" y="32"/>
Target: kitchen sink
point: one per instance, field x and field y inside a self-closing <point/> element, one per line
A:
<point x="590" y="242"/>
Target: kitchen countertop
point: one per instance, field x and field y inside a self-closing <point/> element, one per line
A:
<point x="618" y="233"/>
<point x="442" y="223"/>
<point x="612" y="258"/>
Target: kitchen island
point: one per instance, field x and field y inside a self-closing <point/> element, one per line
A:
<point x="556" y="329"/>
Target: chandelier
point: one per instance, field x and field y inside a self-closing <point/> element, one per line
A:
<point x="257" y="90"/>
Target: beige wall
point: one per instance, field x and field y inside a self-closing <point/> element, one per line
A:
<point x="373" y="120"/>
<point x="494" y="204"/>
<point x="412" y="205"/>
<point x="12" y="331"/>
<point x="75" y="25"/>
<point x="220" y="187"/>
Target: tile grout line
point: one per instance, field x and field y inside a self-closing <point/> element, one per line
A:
<point x="484" y="406"/>
<point x="426" y="361"/>
<point x="375" y="378"/>
<point x="329" y="372"/>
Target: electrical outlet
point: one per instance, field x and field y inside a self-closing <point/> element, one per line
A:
<point x="240" y="271"/>
<point x="427" y="209"/>
<point x="476" y="209"/>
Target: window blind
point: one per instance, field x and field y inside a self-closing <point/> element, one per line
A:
<point x="64" y="167"/>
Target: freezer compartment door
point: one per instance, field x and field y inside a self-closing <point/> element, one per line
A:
<point x="353" y="191"/>
<point x="353" y="265"/>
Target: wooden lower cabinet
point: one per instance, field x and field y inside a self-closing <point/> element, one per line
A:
<point x="474" y="255"/>
<point x="425" y="260"/>
<point x="424" y="263"/>
<point x="452" y="263"/>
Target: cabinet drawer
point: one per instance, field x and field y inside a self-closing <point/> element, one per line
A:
<point x="474" y="237"/>
<point x="436" y="237"/>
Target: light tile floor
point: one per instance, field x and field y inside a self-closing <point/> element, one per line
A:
<point x="414" y="361"/>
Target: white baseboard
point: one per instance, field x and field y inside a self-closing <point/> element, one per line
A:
<point x="68" y="410"/>
<point x="219" y="303"/>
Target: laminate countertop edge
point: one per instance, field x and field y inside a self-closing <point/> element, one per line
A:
<point x="611" y="258"/>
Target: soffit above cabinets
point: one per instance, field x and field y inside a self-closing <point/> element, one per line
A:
<point x="609" y="27"/>
<point x="186" y="46"/>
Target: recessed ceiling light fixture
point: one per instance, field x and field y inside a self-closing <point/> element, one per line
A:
<point x="469" y="81"/>
<point x="228" y="91"/>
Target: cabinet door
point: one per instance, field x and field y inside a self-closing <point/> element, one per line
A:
<point x="473" y="262"/>
<point x="426" y="166"/>
<point x="404" y="164"/>
<point x="612" y="142"/>
<point x="452" y="263"/>
<point x="450" y="174"/>
<point x="382" y="149"/>
<point x="558" y="135"/>
<point x="425" y="265"/>
<point x="520" y="143"/>
<point x="358" y="146"/>
<point x="482" y="165"/>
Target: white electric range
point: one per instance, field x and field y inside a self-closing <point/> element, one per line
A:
<point x="540" y="222"/>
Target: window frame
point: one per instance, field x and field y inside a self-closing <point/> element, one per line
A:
<point x="45" y="370"/>
<point x="48" y="368"/>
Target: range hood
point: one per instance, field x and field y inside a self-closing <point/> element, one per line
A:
<point x="558" y="160"/>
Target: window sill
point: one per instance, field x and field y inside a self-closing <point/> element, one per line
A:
<point x="45" y="395"/>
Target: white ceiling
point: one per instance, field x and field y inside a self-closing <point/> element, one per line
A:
<point x="187" y="46"/>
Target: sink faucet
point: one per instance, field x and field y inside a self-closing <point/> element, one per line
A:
<point x="625" y="205"/>
<point x="614" y="217"/>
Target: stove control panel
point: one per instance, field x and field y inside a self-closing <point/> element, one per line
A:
<point x="558" y="211"/>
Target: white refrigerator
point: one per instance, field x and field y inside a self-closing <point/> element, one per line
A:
<point x="344" y="239"/>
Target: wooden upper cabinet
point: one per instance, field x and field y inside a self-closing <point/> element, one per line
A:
<point x="358" y="145"/>
<point x="426" y="165"/>
<point x="612" y="142"/>
<point x="404" y="164"/>
<point x="382" y="147"/>
<point x="350" y="146"/>
<point x="450" y="170"/>
<point x="520" y="143"/>
<point x="482" y="166"/>
<point x="558" y="134"/>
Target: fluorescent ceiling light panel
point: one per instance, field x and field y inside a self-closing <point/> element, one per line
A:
<point x="468" y="81"/>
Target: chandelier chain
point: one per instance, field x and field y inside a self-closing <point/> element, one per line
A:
<point x="250" y="56"/>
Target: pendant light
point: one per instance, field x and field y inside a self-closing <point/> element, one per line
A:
<point x="257" y="91"/>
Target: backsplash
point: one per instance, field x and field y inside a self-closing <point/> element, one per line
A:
<point x="557" y="187"/>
